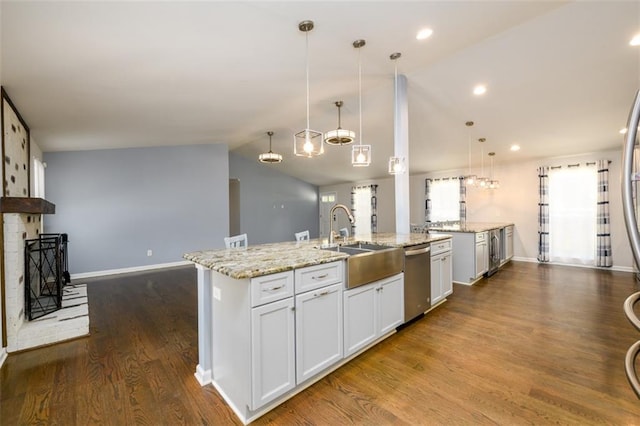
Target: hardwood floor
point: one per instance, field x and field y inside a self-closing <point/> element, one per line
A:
<point x="534" y="344"/>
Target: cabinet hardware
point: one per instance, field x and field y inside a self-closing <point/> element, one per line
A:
<point x="293" y="308"/>
<point x="320" y="277"/>
<point x="324" y="293"/>
<point x="273" y="288"/>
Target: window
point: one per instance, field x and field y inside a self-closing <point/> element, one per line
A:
<point x="38" y="178"/>
<point x="364" y="206"/>
<point x="362" y="209"/>
<point x="572" y="214"/>
<point x="445" y="199"/>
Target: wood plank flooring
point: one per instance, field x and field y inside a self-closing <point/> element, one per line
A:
<point x="534" y="344"/>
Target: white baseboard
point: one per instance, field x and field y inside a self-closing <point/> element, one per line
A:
<point x="129" y="270"/>
<point x="612" y="268"/>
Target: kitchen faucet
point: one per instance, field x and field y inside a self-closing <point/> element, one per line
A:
<point x="331" y="213"/>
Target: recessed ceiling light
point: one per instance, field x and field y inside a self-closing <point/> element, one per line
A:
<point x="635" y="41"/>
<point x="424" y="33"/>
<point x="515" y="147"/>
<point x="623" y="131"/>
<point x="480" y="89"/>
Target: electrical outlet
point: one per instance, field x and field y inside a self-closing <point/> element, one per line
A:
<point x="149" y="253"/>
<point x="216" y="293"/>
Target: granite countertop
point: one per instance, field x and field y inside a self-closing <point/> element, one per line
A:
<point x="471" y="227"/>
<point x="265" y="259"/>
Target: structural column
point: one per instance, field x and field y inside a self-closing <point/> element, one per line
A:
<point x="401" y="149"/>
<point x="204" y="370"/>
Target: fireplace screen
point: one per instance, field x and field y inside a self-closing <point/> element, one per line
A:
<point x="46" y="272"/>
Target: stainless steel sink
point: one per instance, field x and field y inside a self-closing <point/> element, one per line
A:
<point x="370" y="262"/>
<point x="347" y="249"/>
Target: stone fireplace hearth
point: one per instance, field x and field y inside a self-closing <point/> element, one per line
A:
<point x="22" y="219"/>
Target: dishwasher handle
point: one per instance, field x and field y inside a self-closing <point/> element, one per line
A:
<point x="417" y="251"/>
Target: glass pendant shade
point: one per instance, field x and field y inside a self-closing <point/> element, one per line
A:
<point x="396" y="165"/>
<point x="361" y="155"/>
<point x="270" y="157"/>
<point x="470" y="180"/>
<point x="308" y="143"/>
<point x="339" y="136"/>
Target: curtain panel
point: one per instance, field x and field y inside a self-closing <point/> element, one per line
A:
<point x="543" y="214"/>
<point x="603" y="236"/>
<point x="427" y="200"/>
<point x="463" y="200"/>
<point x="366" y="197"/>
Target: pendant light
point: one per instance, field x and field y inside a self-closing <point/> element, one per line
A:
<point x="307" y="143"/>
<point x="270" y="157"/>
<point x="482" y="182"/>
<point x="396" y="164"/>
<point x="470" y="179"/>
<point x="493" y="183"/>
<point x="360" y="154"/>
<point x="339" y="136"/>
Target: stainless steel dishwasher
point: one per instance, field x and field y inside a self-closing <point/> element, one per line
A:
<point x="417" y="280"/>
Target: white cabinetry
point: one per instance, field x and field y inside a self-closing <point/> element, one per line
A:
<point x="271" y="333"/>
<point x="508" y="242"/>
<point x="470" y="256"/>
<point x="273" y="363"/>
<point x="441" y="271"/>
<point x="371" y="311"/>
<point x="482" y="253"/>
<point x="319" y="324"/>
<point x="318" y="330"/>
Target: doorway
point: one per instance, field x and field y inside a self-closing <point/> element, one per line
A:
<point x="234" y="206"/>
<point x="327" y="200"/>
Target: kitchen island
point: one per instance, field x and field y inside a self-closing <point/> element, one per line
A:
<point x="480" y="248"/>
<point x="270" y="317"/>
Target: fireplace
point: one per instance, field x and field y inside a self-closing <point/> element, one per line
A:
<point x="22" y="221"/>
<point x="46" y="272"/>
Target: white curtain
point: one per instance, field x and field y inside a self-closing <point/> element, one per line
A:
<point x="572" y="214"/>
<point x="361" y="209"/>
<point x="445" y="199"/>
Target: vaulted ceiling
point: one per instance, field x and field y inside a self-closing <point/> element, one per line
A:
<point x="561" y="77"/>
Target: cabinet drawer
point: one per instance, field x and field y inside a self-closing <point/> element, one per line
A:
<point x="440" y="247"/>
<point x="481" y="236"/>
<point x="270" y="288"/>
<point x="317" y="276"/>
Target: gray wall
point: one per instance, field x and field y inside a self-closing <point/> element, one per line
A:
<point x="117" y="204"/>
<point x="273" y="205"/>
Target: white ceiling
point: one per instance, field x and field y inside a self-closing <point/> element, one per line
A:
<point x="94" y="75"/>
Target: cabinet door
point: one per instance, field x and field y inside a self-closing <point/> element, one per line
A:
<point x="390" y="303"/>
<point x="359" y="318"/>
<point x="509" y="242"/>
<point x="482" y="258"/>
<point x="446" y="274"/>
<point x="272" y="351"/>
<point x="318" y="330"/>
<point x="436" y="279"/>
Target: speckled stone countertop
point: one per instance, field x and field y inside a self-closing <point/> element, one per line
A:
<point x="471" y="227"/>
<point x="265" y="259"/>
